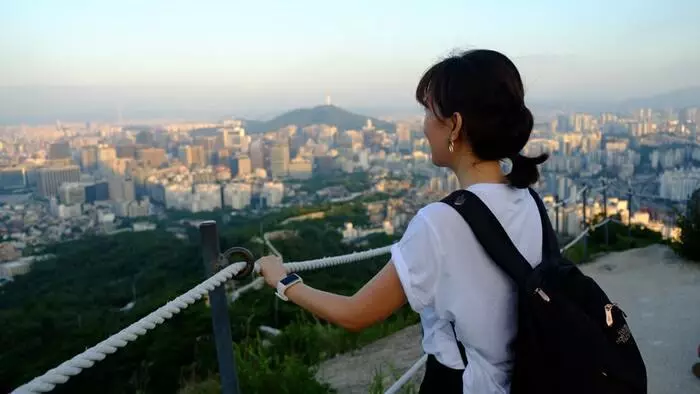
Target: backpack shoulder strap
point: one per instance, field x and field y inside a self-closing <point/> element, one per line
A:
<point x="491" y="235"/>
<point x="550" y="243"/>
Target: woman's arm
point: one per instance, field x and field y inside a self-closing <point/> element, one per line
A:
<point x="375" y="301"/>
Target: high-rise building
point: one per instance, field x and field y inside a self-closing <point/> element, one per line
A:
<point x="145" y="137"/>
<point x="126" y="151"/>
<point x="13" y="178"/>
<point x="279" y="160"/>
<point x="645" y="115"/>
<point x="323" y="165"/>
<point x="257" y="154"/>
<point x="88" y="158"/>
<point x="207" y="142"/>
<point x="151" y="157"/>
<point x="679" y="185"/>
<point x="106" y="155"/>
<point x="50" y="178"/>
<point x="244" y="166"/>
<point x="563" y="123"/>
<point x="193" y="155"/>
<point x="97" y="192"/>
<point x="237" y="195"/>
<point x="121" y="189"/>
<point x="59" y="150"/>
<point x="272" y="193"/>
<point x="300" y="168"/>
<point x="223" y="140"/>
<point x="132" y="208"/>
<point x="71" y="193"/>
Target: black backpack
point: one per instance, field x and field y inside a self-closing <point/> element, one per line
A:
<point x="571" y="337"/>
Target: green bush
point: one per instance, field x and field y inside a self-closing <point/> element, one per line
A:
<point x="689" y="223"/>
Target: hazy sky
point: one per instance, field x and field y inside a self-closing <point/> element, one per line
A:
<point x="259" y="54"/>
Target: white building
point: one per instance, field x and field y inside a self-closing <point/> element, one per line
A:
<point x="71" y="193"/>
<point x="300" y="168"/>
<point x="178" y="196"/>
<point x="237" y="195"/>
<point x="678" y="185"/>
<point x="20" y="267"/>
<point x="64" y="211"/>
<point x="143" y="226"/>
<point x="121" y="189"/>
<point x="273" y="193"/>
<point x="206" y="197"/>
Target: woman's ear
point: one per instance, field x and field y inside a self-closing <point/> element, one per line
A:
<point x="456" y="120"/>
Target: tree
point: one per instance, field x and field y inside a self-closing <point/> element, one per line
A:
<point x="689" y="245"/>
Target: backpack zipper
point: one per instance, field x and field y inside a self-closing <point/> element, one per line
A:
<point x="608" y="313"/>
<point x="542" y="294"/>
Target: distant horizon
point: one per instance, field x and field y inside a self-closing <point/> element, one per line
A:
<point x="98" y="109"/>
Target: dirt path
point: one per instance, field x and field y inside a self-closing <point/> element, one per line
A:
<point x="659" y="292"/>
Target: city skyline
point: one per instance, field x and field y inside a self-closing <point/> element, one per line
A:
<point x="262" y="58"/>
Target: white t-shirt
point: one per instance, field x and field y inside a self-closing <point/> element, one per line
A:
<point x="447" y="276"/>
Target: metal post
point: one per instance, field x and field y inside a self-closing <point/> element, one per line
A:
<point x="556" y="212"/>
<point x="585" y="223"/>
<point x="629" y="212"/>
<point x="605" y="210"/>
<point x="584" y="196"/>
<point x="219" y="310"/>
<point x="564" y="230"/>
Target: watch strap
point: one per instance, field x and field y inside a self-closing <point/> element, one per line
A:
<point x="287" y="282"/>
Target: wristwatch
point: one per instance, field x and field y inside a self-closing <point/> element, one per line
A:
<point x="287" y="282"/>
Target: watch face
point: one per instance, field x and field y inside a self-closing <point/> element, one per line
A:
<point x="289" y="279"/>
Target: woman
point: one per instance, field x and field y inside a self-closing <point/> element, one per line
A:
<point x="475" y="116"/>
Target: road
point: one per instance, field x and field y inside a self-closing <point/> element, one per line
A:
<point x="661" y="295"/>
<point x="659" y="292"/>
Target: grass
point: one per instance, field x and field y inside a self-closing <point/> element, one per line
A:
<point x="619" y="238"/>
<point x="377" y="385"/>
<point x="287" y="363"/>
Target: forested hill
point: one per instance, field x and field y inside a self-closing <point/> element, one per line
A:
<point x="324" y="114"/>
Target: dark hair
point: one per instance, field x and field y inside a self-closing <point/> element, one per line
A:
<point x="485" y="88"/>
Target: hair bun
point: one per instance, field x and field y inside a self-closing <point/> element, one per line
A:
<point x="524" y="170"/>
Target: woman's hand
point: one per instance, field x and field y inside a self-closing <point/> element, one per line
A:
<point x="271" y="269"/>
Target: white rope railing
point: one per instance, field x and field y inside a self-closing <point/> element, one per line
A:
<point x="407" y="375"/>
<point x="568" y="200"/>
<point x="89" y="357"/>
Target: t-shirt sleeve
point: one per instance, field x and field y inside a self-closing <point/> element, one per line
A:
<point x="417" y="261"/>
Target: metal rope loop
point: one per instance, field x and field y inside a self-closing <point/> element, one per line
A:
<point x="244" y="255"/>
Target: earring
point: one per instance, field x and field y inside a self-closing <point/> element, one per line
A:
<point x="451" y="146"/>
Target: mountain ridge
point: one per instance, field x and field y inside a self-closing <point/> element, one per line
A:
<point x="322" y="114"/>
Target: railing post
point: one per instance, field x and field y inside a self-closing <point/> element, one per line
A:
<point x="585" y="223"/>
<point x="584" y="196"/>
<point x="219" y="310"/>
<point x="629" y="212"/>
<point x="605" y="210"/>
<point x="564" y="230"/>
<point x="556" y="213"/>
